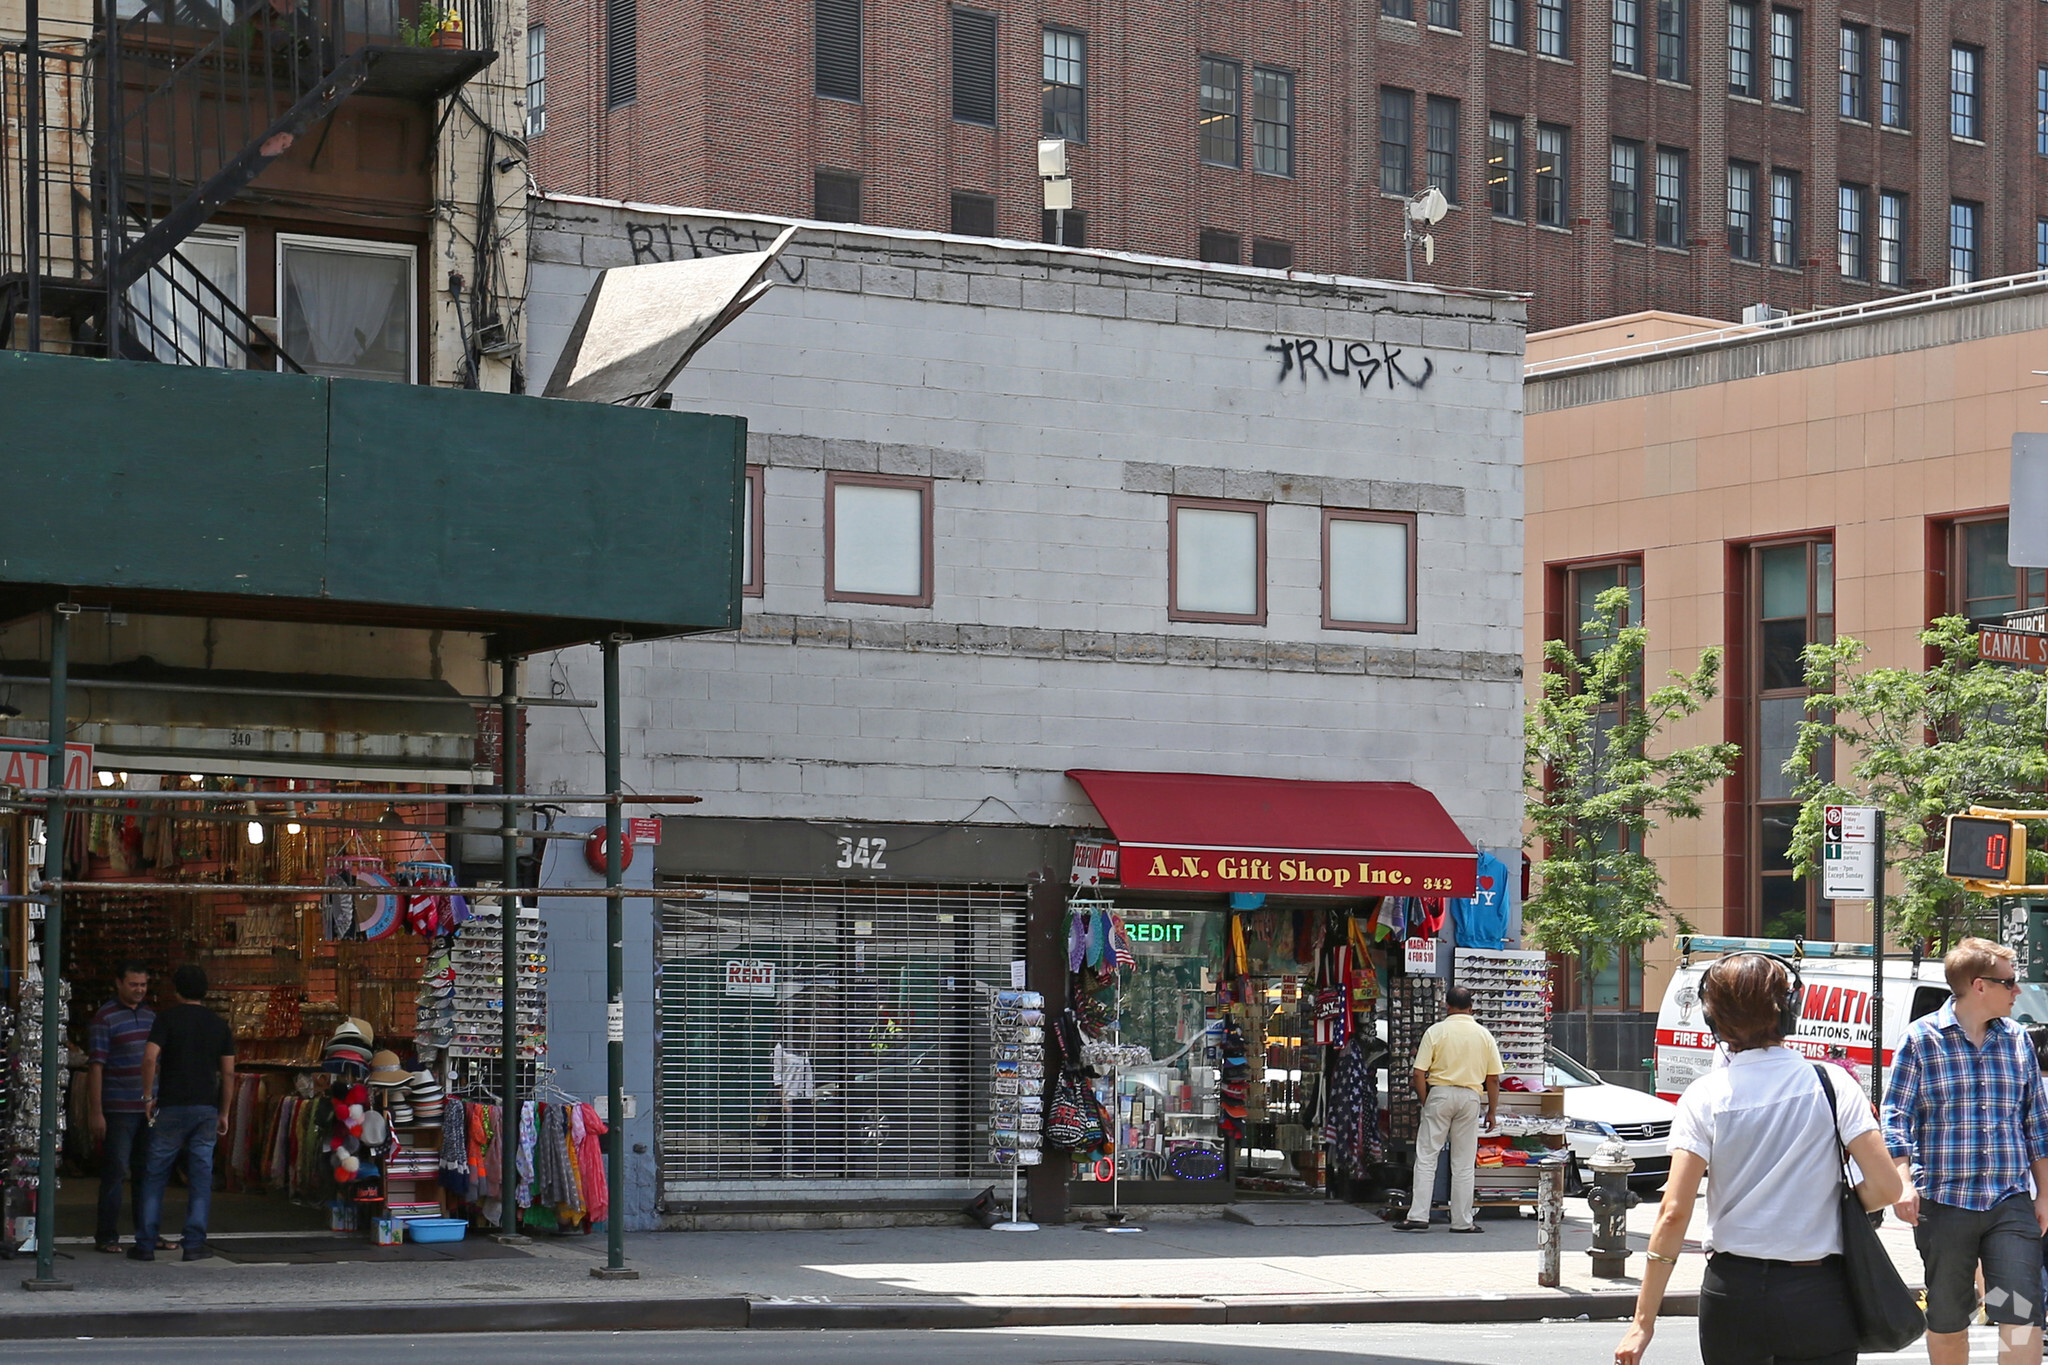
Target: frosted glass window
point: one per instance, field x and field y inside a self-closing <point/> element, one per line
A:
<point x="1216" y="561"/>
<point x="877" y="540"/>
<point x="1368" y="572"/>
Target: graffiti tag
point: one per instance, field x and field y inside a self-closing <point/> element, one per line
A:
<point x="1332" y="360"/>
<point x="656" y="243"/>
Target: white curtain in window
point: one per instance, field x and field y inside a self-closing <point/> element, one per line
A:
<point x="878" y="540"/>
<point x="340" y="306"/>
<point x="1369" y="572"/>
<point x="1216" y="566"/>
<point x="169" y="322"/>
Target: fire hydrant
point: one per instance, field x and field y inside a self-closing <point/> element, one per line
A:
<point x="1610" y="1199"/>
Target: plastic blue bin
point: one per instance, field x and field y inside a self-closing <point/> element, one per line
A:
<point x="436" y="1229"/>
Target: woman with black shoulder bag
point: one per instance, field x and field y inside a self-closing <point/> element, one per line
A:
<point x="1776" y="1290"/>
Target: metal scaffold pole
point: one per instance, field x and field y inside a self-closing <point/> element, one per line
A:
<point x="615" y="979"/>
<point x="53" y="959"/>
<point x="508" y="946"/>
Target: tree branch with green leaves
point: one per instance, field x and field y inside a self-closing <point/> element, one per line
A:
<point x="1922" y="744"/>
<point x="1596" y="789"/>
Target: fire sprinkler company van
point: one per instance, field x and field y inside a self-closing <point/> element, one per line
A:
<point x="1834" y="1015"/>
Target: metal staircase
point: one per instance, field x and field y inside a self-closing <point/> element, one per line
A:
<point x="137" y="133"/>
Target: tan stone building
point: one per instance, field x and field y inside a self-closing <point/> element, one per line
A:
<point x="1839" y="473"/>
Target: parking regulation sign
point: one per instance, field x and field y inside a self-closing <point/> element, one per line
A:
<point x="1849" y="861"/>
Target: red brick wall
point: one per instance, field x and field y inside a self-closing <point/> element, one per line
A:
<point x="726" y="119"/>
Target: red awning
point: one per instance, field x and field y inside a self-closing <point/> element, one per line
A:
<point x="1205" y="832"/>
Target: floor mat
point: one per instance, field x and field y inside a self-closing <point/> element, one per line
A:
<point x="332" y="1250"/>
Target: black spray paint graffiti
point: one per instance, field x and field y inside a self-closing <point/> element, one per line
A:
<point x="656" y="242"/>
<point x="1339" y="359"/>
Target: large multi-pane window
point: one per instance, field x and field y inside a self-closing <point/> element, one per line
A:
<point x="1504" y="22"/>
<point x="1218" y="115"/>
<point x="1742" y="49"/>
<point x="1850" y="256"/>
<point x="2041" y="111"/>
<point x="1793" y="605"/>
<point x="1272" y="121"/>
<point x="1397" y="134"/>
<point x="1983" y="584"/>
<point x="1504" y="165"/>
<point x="1785" y="56"/>
<point x="1553" y="172"/>
<point x="1670" y="193"/>
<point x="1625" y="189"/>
<point x="1670" y="40"/>
<point x="1965" y="72"/>
<point x="1962" y="241"/>
<point x="1784" y="218"/>
<point x="536" y="80"/>
<point x="1552" y="28"/>
<point x="1891" y="80"/>
<point x="1064" y="91"/>
<point x="1742" y="242"/>
<point x="1854" y="64"/>
<point x="1627" y="39"/>
<point x="1891" y="238"/>
<point x="1443" y="145"/>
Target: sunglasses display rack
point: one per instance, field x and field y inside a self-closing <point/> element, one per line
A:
<point x="1511" y="997"/>
<point x="21" y="1115"/>
<point x="478" y="963"/>
<point x="1413" y="1004"/>
<point x="1016" y="1090"/>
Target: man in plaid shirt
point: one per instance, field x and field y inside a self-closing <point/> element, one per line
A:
<point x="1966" y="1117"/>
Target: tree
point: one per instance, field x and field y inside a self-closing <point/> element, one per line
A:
<point x="1923" y="745"/>
<point x="1596" y="790"/>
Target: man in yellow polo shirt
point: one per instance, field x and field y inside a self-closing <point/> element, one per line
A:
<point x="1456" y="1062"/>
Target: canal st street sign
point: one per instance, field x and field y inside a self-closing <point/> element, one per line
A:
<point x="2000" y="644"/>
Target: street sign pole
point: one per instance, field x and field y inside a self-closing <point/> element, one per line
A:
<point x="1877" y="969"/>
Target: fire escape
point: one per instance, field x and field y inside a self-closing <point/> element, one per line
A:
<point x="123" y="133"/>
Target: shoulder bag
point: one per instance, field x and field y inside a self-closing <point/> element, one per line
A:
<point x="1888" y="1318"/>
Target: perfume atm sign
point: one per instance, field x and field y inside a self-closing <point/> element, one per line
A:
<point x="1286" y="872"/>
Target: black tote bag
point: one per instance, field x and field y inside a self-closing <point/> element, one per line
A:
<point x="1888" y="1318"/>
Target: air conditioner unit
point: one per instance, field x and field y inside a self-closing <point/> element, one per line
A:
<point x="1763" y="312"/>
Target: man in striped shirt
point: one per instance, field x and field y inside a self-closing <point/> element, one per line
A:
<point x="114" y="1099"/>
<point x="1966" y="1118"/>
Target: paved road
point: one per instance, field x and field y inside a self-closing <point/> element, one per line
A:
<point x="1574" y="1343"/>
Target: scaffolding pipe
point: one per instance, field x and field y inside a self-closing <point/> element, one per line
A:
<point x="291" y="694"/>
<point x="53" y="944"/>
<point x="39" y="795"/>
<point x="32" y="225"/>
<point x="615" y="975"/>
<point x="329" y="889"/>
<point x="508" y="946"/>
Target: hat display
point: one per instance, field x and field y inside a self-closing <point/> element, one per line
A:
<point x="354" y="1030"/>
<point x="386" y="1071"/>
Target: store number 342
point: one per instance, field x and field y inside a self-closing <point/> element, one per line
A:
<point x="863" y="853"/>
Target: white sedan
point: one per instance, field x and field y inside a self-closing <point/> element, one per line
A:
<point x="1596" y="1111"/>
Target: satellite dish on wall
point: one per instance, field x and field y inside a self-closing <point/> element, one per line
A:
<point x="1430" y="206"/>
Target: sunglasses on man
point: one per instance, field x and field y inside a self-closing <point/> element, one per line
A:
<point x="2011" y="983"/>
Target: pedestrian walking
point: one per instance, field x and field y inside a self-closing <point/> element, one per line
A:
<point x="1967" y="1116"/>
<point x="113" y="1099"/>
<point x="188" y="1076"/>
<point x="1770" y="1126"/>
<point x="1457" y="1075"/>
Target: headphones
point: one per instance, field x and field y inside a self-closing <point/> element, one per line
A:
<point x="1788" y="1007"/>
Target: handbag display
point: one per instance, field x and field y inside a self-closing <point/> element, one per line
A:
<point x="1888" y="1317"/>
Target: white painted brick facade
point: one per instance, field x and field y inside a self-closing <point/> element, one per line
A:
<point x="1042" y="387"/>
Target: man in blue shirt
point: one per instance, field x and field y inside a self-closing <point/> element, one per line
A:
<point x="114" y="1100"/>
<point x="1966" y="1118"/>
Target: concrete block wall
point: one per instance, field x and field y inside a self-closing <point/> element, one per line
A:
<point x="1056" y="398"/>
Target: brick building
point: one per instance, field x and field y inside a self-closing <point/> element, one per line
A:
<point x="1611" y="157"/>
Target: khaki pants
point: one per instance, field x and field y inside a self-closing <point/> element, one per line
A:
<point x="1451" y="1112"/>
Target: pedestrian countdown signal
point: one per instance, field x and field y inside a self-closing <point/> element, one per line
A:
<point x="1983" y="849"/>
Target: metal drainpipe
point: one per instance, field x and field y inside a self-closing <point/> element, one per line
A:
<point x="53" y="954"/>
<point x="614" y="1267"/>
<point x="508" y="946"/>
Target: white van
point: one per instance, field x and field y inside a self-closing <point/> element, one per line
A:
<point x="1834" y="1018"/>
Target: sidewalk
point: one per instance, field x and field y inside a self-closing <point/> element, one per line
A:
<point x="1193" y="1270"/>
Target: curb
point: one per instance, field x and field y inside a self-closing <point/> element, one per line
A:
<point x="770" y="1315"/>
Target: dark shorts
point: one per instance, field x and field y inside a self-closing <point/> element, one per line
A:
<point x="2005" y="1238"/>
<point x="1756" y="1312"/>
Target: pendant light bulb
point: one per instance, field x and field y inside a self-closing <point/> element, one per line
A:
<point x="255" y="831"/>
<point x="291" y="827"/>
<point x="106" y="778"/>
